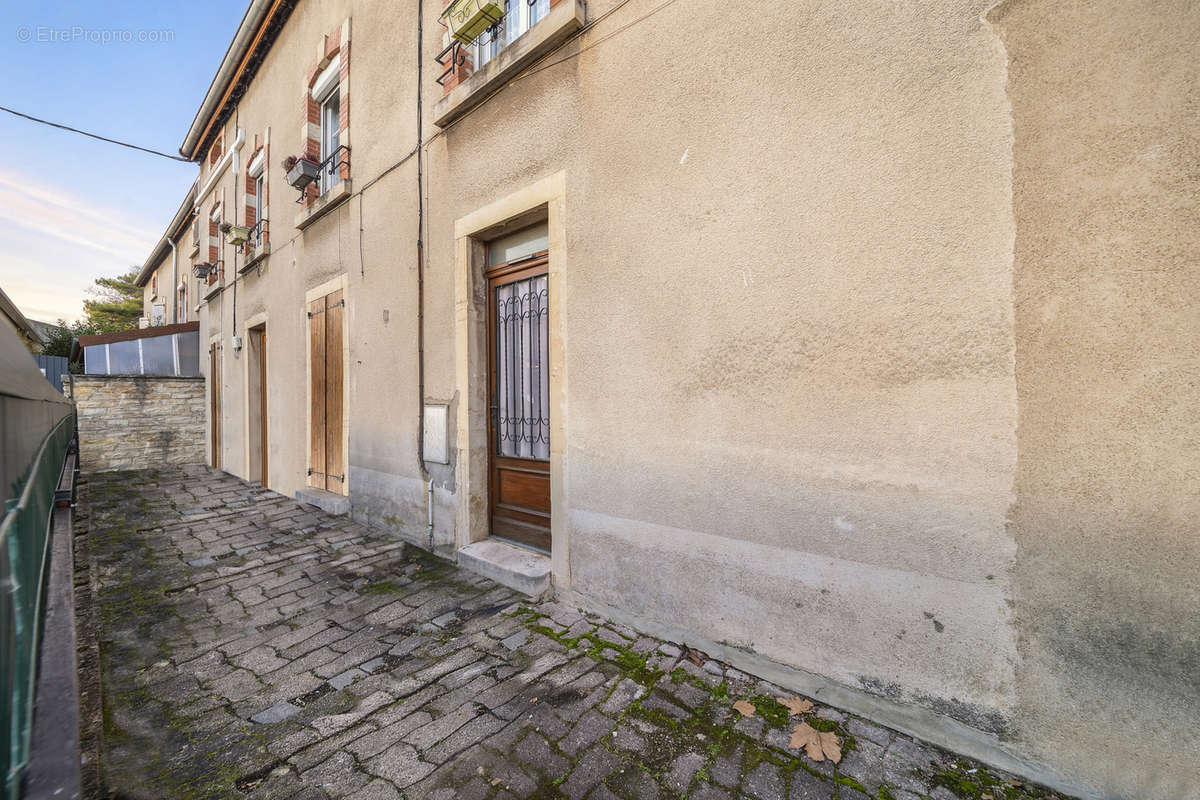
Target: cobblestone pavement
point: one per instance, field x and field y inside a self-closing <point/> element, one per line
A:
<point x="251" y="646"/>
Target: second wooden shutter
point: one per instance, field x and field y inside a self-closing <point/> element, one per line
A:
<point x="316" y="450"/>
<point x="335" y="470"/>
<point x="326" y="453"/>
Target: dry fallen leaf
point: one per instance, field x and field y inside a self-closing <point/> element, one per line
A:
<point x="797" y="705"/>
<point x="746" y="709"/>
<point x="495" y="781"/>
<point x="695" y="656"/>
<point x="817" y="744"/>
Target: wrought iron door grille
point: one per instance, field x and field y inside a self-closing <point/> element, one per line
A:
<point x="522" y="402"/>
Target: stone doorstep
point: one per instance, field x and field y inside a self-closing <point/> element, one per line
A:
<point x="334" y="504"/>
<point x="515" y="567"/>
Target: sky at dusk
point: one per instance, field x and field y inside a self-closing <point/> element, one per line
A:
<point x="73" y="209"/>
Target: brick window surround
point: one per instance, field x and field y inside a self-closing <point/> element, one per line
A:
<point x="215" y="217"/>
<point x="335" y="44"/>
<point x="214" y="152"/>
<point x="261" y="154"/>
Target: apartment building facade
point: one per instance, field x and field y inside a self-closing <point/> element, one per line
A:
<point x="168" y="285"/>
<point x="844" y="342"/>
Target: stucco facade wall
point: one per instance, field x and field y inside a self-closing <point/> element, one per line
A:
<point x="133" y="422"/>
<point x="828" y="340"/>
<point x="789" y="355"/>
<point x="1106" y="109"/>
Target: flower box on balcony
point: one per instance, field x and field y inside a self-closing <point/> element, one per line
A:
<point x="237" y="234"/>
<point x="201" y="271"/>
<point x="303" y="172"/>
<point x="467" y="19"/>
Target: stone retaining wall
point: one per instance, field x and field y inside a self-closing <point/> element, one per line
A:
<point x="136" y="422"/>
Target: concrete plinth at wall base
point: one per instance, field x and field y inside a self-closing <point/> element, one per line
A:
<point x="335" y="504"/>
<point x="515" y="567"/>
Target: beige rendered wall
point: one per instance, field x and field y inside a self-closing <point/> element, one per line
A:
<point x="376" y="267"/>
<point x="790" y="413"/>
<point x="813" y="410"/>
<point x="1106" y="110"/>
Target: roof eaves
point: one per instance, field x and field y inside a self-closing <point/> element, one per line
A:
<point x="230" y="81"/>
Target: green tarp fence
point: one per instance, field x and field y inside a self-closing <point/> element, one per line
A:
<point x="24" y="552"/>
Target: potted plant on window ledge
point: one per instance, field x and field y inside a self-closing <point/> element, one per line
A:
<point x="301" y="171"/>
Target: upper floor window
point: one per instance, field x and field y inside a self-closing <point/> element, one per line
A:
<point x="259" y="191"/>
<point x="214" y="246"/>
<point x="330" y="119"/>
<point x="519" y="16"/>
<point x="327" y="93"/>
<point x="181" y="308"/>
<point x="214" y="152"/>
<point x="256" y="198"/>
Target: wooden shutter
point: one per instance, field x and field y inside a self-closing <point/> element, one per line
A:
<point x="214" y="399"/>
<point x="316" y="451"/>
<point x="334" y="375"/>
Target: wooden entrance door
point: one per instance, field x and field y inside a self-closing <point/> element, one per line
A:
<point x="258" y="403"/>
<point x="519" y="388"/>
<point x="214" y="403"/>
<point x="326" y="459"/>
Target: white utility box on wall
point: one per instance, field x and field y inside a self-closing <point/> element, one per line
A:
<point x="437" y="438"/>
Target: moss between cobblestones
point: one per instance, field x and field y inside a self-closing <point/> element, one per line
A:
<point x="773" y="713"/>
<point x="679" y="735"/>
<point x="382" y="587"/>
<point x="974" y="784"/>
<point x="632" y="664"/>
<point x="139" y="594"/>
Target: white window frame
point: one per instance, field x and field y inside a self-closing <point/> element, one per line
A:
<point x="216" y="217"/>
<point x="484" y="51"/>
<point x="258" y="175"/>
<point x="330" y="138"/>
<point x="324" y="90"/>
<point x="260" y="187"/>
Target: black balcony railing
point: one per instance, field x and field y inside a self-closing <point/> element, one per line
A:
<point x="259" y="234"/>
<point x="331" y="171"/>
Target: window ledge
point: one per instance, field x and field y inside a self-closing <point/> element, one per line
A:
<point x="259" y="259"/>
<point x="324" y="204"/>
<point x="212" y="291"/>
<point x="549" y="32"/>
<point x="195" y="252"/>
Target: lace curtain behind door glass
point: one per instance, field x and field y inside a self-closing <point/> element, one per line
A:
<point x="522" y="357"/>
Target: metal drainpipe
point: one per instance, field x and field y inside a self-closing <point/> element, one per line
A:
<point x="421" y="282"/>
<point x="174" y="280"/>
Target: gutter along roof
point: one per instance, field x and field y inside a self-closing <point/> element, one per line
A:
<point x="251" y="43"/>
